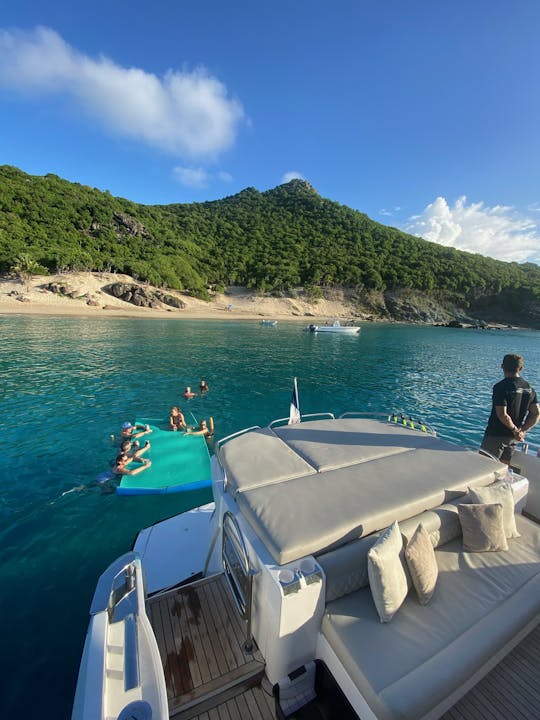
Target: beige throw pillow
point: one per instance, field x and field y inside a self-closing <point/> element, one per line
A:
<point x="387" y="573"/>
<point x="500" y="492"/>
<point x="422" y="564"/>
<point x="482" y="527"/>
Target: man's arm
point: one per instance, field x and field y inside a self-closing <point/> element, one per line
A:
<point x="507" y="421"/>
<point x="532" y="417"/>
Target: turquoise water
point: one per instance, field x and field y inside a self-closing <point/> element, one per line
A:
<point x="68" y="383"/>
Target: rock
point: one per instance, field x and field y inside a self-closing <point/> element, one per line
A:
<point x="131" y="224"/>
<point x="170" y="300"/>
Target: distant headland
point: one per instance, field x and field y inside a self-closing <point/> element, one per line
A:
<point x="295" y="253"/>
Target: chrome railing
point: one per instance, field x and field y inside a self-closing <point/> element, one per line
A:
<point x="117" y="593"/>
<point x="285" y="420"/>
<point x="238" y="571"/>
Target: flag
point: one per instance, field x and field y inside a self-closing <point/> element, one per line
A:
<point x="294" y="414"/>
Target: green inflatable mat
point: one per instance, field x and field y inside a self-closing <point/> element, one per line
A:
<point x="180" y="462"/>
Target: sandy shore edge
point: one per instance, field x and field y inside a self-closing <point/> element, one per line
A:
<point x="30" y="298"/>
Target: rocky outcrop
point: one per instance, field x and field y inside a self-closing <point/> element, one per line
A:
<point x="131" y="224"/>
<point x="141" y="296"/>
<point x="60" y="289"/>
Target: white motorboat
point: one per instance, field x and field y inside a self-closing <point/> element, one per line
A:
<point x="260" y="605"/>
<point x="335" y="327"/>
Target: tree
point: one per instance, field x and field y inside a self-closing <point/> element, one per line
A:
<point x="25" y="267"/>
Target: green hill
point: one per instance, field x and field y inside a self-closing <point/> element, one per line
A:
<point x="271" y="241"/>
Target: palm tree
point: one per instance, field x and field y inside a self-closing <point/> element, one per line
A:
<point x="25" y="266"/>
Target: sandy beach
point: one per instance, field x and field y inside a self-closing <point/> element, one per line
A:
<point x="87" y="298"/>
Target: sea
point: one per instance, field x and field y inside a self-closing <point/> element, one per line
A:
<point x="67" y="384"/>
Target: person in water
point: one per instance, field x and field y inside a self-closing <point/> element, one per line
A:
<point x="203" y="387"/>
<point x="176" y="419"/>
<point x="206" y="429"/>
<point x="123" y="459"/>
<point x="130" y="432"/>
<point x="514" y="411"/>
<point x="133" y="449"/>
<point x="188" y="393"/>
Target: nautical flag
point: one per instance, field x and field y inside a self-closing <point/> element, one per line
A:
<point x="294" y="414"/>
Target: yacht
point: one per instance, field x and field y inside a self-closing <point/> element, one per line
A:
<point x="335" y="327"/>
<point x="261" y="604"/>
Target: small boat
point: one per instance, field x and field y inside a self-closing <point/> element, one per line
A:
<point x="335" y="327"/>
<point x="269" y="323"/>
<point x="264" y="601"/>
<point x="180" y="462"/>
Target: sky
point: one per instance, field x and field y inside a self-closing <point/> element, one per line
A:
<point x="423" y="115"/>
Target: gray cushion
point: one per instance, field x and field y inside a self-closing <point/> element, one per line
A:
<point x="500" y="492"/>
<point x="483" y="527"/>
<point x="387" y="575"/>
<point x="408" y="667"/>
<point x="370" y="475"/>
<point x="420" y="557"/>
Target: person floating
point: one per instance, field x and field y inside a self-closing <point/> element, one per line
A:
<point x="176" y="419"/>
<point x="133" y="449"/>
<point x="123" y="459"/>
<point x="130" y="432"/>
<point x="203" y="387"/>
<point x="188" y="393"/>
<point x="205" y="428"/>
<point x="514" y="411"/>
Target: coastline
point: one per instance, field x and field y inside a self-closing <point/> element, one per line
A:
<point x="30" y="298"/>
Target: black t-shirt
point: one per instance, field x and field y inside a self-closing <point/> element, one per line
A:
<point x="516" y="395"/>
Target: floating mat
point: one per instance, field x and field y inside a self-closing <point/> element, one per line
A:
<point x="179" y="462"/>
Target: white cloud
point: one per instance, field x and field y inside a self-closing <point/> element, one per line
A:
<point x="291" y="175"/>
<point x="192" y="177"/>
<point x="389" y="213"/>
<point x="534" y="207"/>
<point x="184" y="113"/>
<point x="499" y="231"/>
<point x="198" y="177"/>
<point x="224" y="176"/>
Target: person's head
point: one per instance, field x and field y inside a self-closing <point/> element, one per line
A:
<point x="125" y="446"/>
<point x="188" y="389"/>
<point x="203" y="424"/>
<point x="174" y="411"/>
<point x="121" y="459"/>
<point x="126" y="428"/>
<point x="512" y="364"/>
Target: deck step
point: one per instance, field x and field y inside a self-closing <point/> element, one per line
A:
<point x="220" y="694"/>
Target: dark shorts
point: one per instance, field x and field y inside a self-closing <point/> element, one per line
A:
<point x="501" y="448"/>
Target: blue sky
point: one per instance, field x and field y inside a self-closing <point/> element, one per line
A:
<point x="424" y="115"/>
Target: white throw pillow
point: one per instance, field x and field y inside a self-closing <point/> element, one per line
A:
<point x="500" y="492"/>
<point x="387" y="573"/>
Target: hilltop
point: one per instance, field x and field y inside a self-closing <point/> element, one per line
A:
<point x="272" y="243"/>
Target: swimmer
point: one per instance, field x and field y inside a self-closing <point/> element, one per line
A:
<point x="130" y="432"/>
<point x="133" y="449"/>
<point x="124" y="459"/>
<point x="206" y="429"/>
<point x="176" y="419"/>
<point x="203" y="387"/>
<point x="188" y="393"/>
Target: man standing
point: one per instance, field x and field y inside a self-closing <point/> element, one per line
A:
<point x="515" y="410"/>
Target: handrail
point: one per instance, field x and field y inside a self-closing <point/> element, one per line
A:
<point x="238" y="571"/>
<point x="361" y="413"/>
<point x="310" y="415"/>
<point x="236" y="434"/>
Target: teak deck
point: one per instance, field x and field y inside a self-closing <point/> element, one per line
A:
<point x="209" y="675"/>
<point x="201" y="639"/>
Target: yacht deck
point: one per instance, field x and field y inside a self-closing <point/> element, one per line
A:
<point x="210" y="676"/>
<point x="201" y="639"/>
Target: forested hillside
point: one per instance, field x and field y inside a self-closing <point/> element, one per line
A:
<point x="270" y="241"/>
